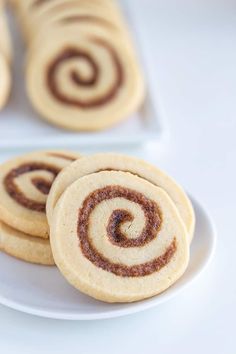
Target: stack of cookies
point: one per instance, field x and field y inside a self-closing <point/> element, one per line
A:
<point x="24" y="184"/>
<point x="5" y="57"/>
<point x="81" y="71"/>
<point x="120" y="229"/>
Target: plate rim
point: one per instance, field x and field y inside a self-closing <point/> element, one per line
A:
<point x="139" y="305"/>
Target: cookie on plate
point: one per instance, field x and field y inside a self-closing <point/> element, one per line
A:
<point x="117" y="237"/>
<point x="25" y="182"/>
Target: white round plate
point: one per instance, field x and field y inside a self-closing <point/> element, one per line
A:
<point x="42" y="291"/>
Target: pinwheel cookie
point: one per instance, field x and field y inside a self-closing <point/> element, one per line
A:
<point x="85" y="81"/>
<point x="24" y="184"/>
<point x="117" y="237"/>
<point x="116" y="162"/>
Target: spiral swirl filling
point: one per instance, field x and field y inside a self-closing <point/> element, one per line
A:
<point x="38" y="3"/>
<point x="40" y="183"/>
<point x="150" y="231"/>
<point x="60" y="155"/>
<point x="87" y="19"/>
<point x="71" y="53"/>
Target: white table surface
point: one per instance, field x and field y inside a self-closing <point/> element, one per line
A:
<point x="192" y="54"/>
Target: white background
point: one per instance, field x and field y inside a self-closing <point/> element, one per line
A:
<point x="191" y="49"/>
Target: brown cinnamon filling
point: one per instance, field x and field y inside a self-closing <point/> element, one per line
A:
<point x="123" y="170"/>
<point x="87" y="18"/>
<point x="37" y="3"/>
<point x="152" y="226"/>
<point x="73" y="53"/>
<point x="43" y="185"/>
<point x="62" y="156"/>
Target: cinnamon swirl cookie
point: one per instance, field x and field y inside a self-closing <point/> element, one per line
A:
<point x="118" y="238"/>
<point x="86" y="82"/>
<point x="24" y="185"/>
<point x="25" y="247"/>
<point x="116" y="162"/>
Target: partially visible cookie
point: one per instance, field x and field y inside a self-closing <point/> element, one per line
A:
<point x="33" y="14"/>
<point x="5" y="39"/>
<point x="25" y="247"/>
<point x="116" y="162"/>
<point x="76" y="12"/>
<point x="5" y="58"/>
<point x="5" y="80"/>
<point x="118" y="238"/>
<point x="25" y="182"/>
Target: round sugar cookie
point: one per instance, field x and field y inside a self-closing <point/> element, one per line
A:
<point x="25" y="247"/>
<point x="116" y="162"/>
<point x="118" y="238"/>
<point x="24" y="185"/>
<point x="87" y="82"/>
